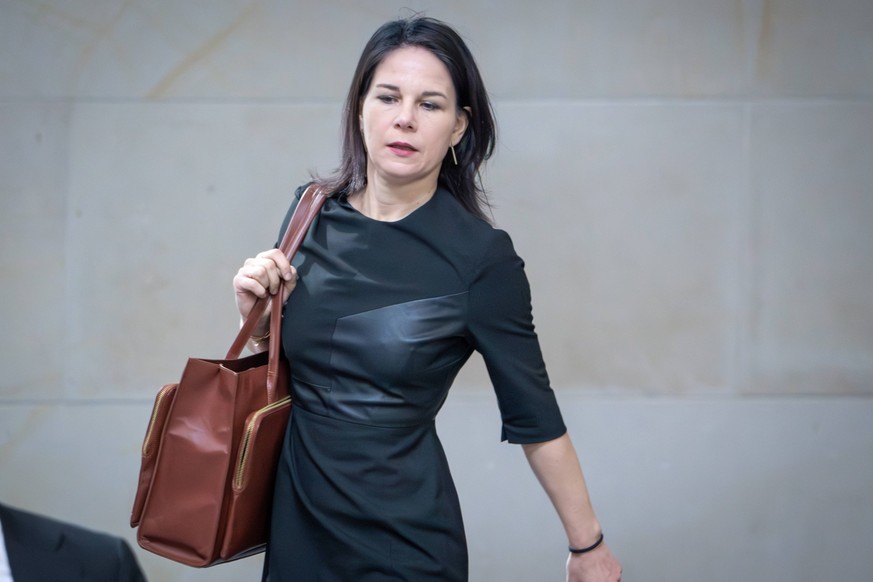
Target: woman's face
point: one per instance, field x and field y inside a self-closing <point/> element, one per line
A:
<point x="409" y="119"/>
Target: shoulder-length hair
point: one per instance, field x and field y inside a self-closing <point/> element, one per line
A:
<point x="477" y="143"/>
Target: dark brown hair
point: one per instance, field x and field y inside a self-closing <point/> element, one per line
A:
<point x="477" y="143"/>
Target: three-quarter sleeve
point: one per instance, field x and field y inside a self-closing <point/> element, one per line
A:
<point x="502" y="330"/>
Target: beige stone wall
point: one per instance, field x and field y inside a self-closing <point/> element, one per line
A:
<point x="690" y="184"/>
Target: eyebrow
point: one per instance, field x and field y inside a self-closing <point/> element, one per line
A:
<point x="423" y="94"/>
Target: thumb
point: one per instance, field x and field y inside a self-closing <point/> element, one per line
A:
<point x="289" y="285"/>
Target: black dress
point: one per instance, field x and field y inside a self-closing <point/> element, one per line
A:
<point x="383" y="317"/>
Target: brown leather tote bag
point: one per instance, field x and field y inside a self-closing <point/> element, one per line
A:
<point x="210" y="451"/>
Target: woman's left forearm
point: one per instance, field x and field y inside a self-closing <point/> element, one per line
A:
<point x="557" y="467"/>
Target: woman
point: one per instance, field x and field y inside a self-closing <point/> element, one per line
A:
<point x="399" y="279"/>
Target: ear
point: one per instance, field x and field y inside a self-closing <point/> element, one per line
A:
<point x="461" y="123"/>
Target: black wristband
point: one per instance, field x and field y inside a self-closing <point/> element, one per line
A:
<point x="589" y="548"/>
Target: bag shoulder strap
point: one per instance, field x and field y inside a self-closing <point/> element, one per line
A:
<point x="307" y="209"/>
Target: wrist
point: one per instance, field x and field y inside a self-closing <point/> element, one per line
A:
<point x="259" y="339"/>
<point x="584" y="533"/>
<point x="575" y="550"/>
<point x="261" y="329"/>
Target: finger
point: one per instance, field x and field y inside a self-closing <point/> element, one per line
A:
<point x="264" y="268"/>
<point x="286" y="271"/>
<point x="261" y="271"/>
<point x="244" y="282"/>
<point x="273" y="277"/>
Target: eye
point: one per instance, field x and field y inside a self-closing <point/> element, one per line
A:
<point x="430" y="106"/>
<point x="387" y="98"/>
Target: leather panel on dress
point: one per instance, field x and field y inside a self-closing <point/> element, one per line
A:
<point x="387" y="361"/>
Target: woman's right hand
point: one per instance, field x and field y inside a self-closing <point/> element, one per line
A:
<point x="259" y="277"/>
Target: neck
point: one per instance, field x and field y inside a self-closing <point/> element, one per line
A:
<point x="388" y="203"/>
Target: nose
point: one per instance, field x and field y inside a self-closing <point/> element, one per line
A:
<point x="405" y="118"/>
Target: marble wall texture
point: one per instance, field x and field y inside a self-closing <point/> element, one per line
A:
<point x="690" y="183"/>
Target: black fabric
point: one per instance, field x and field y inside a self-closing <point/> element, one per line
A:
<point x="383" y="317"/>
<point x="48" y="550"/>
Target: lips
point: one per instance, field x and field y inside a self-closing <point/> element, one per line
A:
<point x="402" y="146"/>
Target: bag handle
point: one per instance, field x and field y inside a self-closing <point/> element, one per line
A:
<point x="307" y="208"/>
